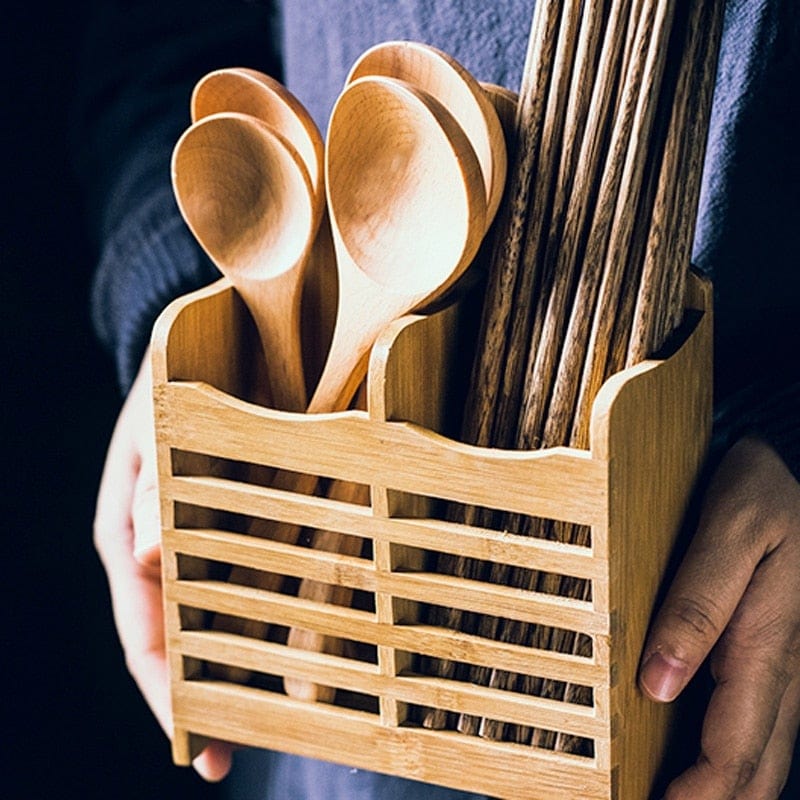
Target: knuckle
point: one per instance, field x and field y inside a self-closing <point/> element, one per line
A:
<point x="768" y="634"/>
<point x="736" y="770"/>
<point x="695" y="617"/>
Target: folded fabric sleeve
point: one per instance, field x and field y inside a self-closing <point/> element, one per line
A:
<point x="140" y="63"/>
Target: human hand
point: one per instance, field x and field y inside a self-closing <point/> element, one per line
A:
<point x="127" y="534"/>
<point x="737" y="597"/>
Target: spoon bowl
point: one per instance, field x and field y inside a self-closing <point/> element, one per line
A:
<point x="443" y="77"/>
<point x="248" y="91"/>
<point x="407" y="210"/>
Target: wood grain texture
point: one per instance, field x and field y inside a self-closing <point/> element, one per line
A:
<point x="248" y="91"/>
<point x="499" y="576"/>
<point x="442" y="76"/>
<point x="260" y="239"/>
<point x="381" y="738"/>
<point x="508" y="240"/>
<point x="593" y="345"/>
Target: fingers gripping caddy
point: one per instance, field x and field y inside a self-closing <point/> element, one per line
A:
<point x="217" y="453"/>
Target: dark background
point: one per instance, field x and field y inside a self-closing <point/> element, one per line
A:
<point x="74" y="722"/>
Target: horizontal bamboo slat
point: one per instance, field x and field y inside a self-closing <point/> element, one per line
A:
<point x="300" y="443"/>
<point x="366" y="678"/>
<point x="429" y="756"/>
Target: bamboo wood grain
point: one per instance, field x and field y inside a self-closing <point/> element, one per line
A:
<point x="402" y="590"/>
<point x="444" y="193"/>
<point x="297" y="443"/>
<point x="656" y="313"/>
<point x="631" y="244"/>
<point x="502" y="431"/>
<point x="342" y="622"/>
<point x="586" y="341"/>
<point x="504" y="268"/>
<point x="679" y="196"/>
<point x="335" y="592"/>
<point x="693" y="168"/>
<point x="263" y="718"/>
<point x="650" y="52"/>
<point x="441" y="191"/>
<point x="532" y="277"/>
<point x="365" y="678"/>
<point x="575" y="243"/>
<point x="421" y="755"/>
<point x="610" y="222"/>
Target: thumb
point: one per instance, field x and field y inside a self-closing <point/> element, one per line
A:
<point x="146" y="517"/>
<point x="709" y="586"/>
<point x="145" y="512"/>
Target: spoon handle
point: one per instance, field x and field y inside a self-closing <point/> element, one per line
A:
<point x="365" y="309"/>
<point x="276" y="531"/>
<point x="275" y="307"/>
<point x="334" y="594"/>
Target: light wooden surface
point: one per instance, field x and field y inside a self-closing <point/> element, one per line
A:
<point x="436" y="201"/>
<point x="249" y="91"/>
<point x="408" y="213"/>
<point x="648" y="435"/>
<point x="439" y="74"/>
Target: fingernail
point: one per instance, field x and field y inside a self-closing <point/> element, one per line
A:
<point x="663" y="677"/>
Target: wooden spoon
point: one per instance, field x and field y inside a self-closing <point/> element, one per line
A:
<point x="408" y="212"/>
<point x="245" y="193"/>
<point x="249" y="91"/>
<point x="443" y="77"/>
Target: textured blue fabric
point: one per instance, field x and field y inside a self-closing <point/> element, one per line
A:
<point x="322" y="40"/>
<point x="160" y="262"/>
<point x="746" y="237"/>
<point x="140" y="62"/>
<point x="263" y="775"/>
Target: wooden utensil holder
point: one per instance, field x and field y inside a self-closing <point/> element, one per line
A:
<point x="650" y="426"/>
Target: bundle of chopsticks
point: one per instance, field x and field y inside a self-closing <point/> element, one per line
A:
<point x="587" y="276"/>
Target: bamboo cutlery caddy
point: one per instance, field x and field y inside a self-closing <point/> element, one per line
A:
<point x="650" y="426"/>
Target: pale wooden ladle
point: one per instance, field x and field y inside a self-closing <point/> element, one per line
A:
<point x="245" y="193"/>
<point x="408" y="213"/>
<point x="408" y="209"/>
<point x="252" y="92"/>
<point x="446" y="79"/>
